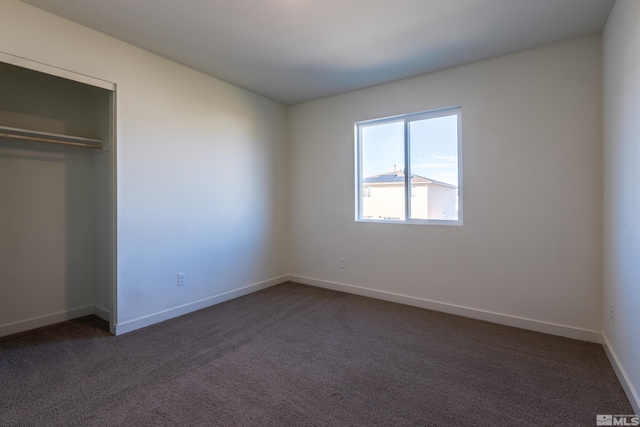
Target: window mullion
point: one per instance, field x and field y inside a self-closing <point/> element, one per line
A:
<point x="407" y="173"/>
<point x="359" y="177"/>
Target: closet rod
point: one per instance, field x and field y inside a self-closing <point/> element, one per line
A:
<point x="50" y="141"/>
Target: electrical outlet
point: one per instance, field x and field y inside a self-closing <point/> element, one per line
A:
<point x="182" y="279"/>
<point x="612" y="313"/>
<point x="341" y="262"/>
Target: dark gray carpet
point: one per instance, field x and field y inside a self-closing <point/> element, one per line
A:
<point x="298" y="355"/>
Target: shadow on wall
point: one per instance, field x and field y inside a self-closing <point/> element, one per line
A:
<point x="46" y="249"/>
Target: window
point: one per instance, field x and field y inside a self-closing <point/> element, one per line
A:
<point x="413" y="163"/>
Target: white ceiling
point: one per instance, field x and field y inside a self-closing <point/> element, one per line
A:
<point x="297" y="50"/>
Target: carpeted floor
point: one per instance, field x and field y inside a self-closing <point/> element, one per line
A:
<point x="303" y="356"/>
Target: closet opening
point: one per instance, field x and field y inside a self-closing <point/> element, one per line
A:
<point x="57" y="198"/>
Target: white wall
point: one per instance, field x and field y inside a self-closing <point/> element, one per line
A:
<point x="531" y="243"/>
<point x="621" y="45"/>
<point x="46" y="209"/>
<point x="201" y="164"/>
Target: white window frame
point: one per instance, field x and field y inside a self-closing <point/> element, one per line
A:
<point x="407" y="118"/>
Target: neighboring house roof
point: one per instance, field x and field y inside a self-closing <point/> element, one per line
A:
<point x="397" y="177"/>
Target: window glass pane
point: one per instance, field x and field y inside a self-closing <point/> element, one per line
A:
<point x="382" y="176"/>
<point x="434" y="168"/>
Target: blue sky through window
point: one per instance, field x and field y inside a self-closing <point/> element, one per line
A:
<point x="433" y="144"/>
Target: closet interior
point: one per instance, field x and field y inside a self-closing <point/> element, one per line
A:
<point x="57" y="195"/>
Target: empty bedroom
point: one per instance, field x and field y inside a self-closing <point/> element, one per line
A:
<point x="318" y="212"/>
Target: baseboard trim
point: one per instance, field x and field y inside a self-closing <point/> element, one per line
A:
<point x="502" y="319"/>
<point x="141" y="322"/>
<point x="631" y="392"/>
<point x="46" y="320"/>
<point x="102" y="313"/>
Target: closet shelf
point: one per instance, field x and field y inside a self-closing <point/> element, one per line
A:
<point x="50" y="138"/>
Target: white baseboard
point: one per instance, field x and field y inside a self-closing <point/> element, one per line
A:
<point x="631" y="392"/>
<point x="141" y="322"/>
<point x="49" y="319"/>
<point x="102" y="313"/>
<point x="502" y="319"/>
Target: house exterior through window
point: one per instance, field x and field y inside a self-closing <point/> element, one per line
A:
<point x="408" y="168"/>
